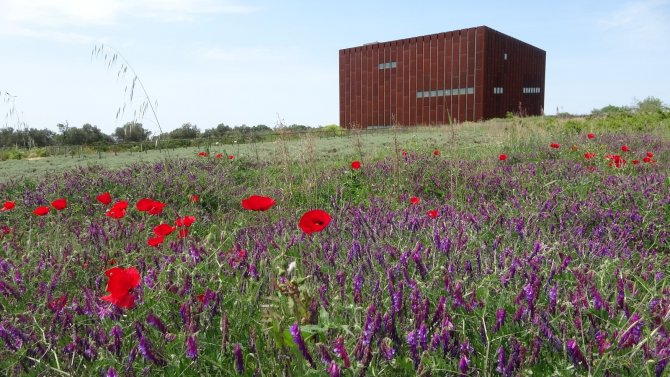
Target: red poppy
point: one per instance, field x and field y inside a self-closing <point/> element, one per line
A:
<point x="121" y="204"/>
<point x="647" y="160"/>
<point x="436" y="152"/>
<point x="314" y="221"/>
<point x="5" y="229"/>
<point x="432" y="213"/>
<point x="404" y="153"/>
<point x="258" y="203"/>
<point x="502" y="157"/>
<point x="635" y="162"/>
<point x="202" y="154"/>
<point x="201" y="298"/>
<point x="58" y="303"/>
<point x="219" y="155"/>
<point x="112" y="262"/>
<point x="185" y="221"/>
<point x="555" y="145"/>
<point x="59" y="204"/>
<point x="183" y="232"/>
<point x="116" y="213"/>
<point x="230" y="157"/>
<point x="414" y="200"/>
<point x="105" y="198"/>
<point x="41" y="211"/>
<point x="120" y="284"/>
<point x="589" y="155"/>
<point x="624" y="148"/>
<point x="153" y="207"/>
<point x="356" y="165"/>
<point x="618" y="162"/>
<point x="650" y="155"/>
<point x="591" y="136"/>
<point x="163" y="229"/>
<point x="155" y="241"/>
<point x="8" y="206"/>
<point x="194" y="198"/>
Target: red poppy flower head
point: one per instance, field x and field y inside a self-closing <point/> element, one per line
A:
<point x="356" y="165"/>
<point x="104" y="198"/>
<point x="194" y="198"/>
<point x="436" y="152"/>
<point x="155" y="241"/>
<point x="414" y="200"/>
<point x="219" y="155"/>
<point x="404" y="153"/>
<point x="153" y="207"/>
<point x="258" y="203"/>
<point x="591" y="135"/>
<point x="650" y="155"/>
<point x="120" y="283"/>
<point x="432" y="213"/>
<point x="202" y="154"/>
<point x="5" y="229"/>
<point x="314" y="221"/>
<point x="555" y="145"/>
<point x="116" y="213"/>
<point x="41" y="210"/>
<point x="185" y="221"/>
<point x="635" y="162"/>
<point x="647" y="160"/>
<point x="163" y="229"/>
<point x="231" y="157"/>
<point x="183" y="232"/>
<point x="59" y="204"/>
<point x="201" y="297"/>
<point x="589" y="155"/>
<point x="624" y="148"/>
<point x="8" y="206"/>
<point x="502" y="157"/>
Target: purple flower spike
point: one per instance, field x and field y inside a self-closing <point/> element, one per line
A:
<point x="333" y="370"/>
<point x="464" y="364"/>
<point x="239" y="360"/>
<point x="575" y="353"/>
<point x="300" y="342"/>
<point x="500" y="319"/>
<point x="111" y="372"/>
<point x="191" y="348"/>
<point x="339" y="349"/>
<point x="633" y="332"/>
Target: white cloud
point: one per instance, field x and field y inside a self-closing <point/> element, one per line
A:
<point x="53" y="19"/>
<point x="639" y="23"/>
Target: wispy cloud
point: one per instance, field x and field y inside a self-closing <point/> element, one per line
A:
<point x="639" y="23"/>
<point x="56" y="19"/>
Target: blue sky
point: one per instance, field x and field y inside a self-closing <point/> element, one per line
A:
<point x="208" y="62"/>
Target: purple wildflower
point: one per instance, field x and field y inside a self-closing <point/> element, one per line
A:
<point x="413" y="348"/>
<point x="191" y="347"/>
<point x="501" y="361"/>
<point x="633" y="332"/>
<point x="239" y="360"/>
<point x="333" y="370"/>
<point x="339" y="349"/>
<point x="154" y="321"/>
<point x="575" y="353"/>
<point x="298" y="340"/>
<point x="464" y="364"/>
<point x="111" y="372"/>
<point x="116" y="333"/>
<point x="500" y="319"/>
<point x="386" y="349"/>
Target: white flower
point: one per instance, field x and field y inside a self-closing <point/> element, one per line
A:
<point x="291" y="267"/>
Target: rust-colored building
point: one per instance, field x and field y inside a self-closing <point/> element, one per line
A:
<point x="462" y="75"/>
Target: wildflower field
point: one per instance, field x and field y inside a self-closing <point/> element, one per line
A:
<point x="512" y="248"/>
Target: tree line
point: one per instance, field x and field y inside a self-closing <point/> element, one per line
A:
<point x="130" y="132"/>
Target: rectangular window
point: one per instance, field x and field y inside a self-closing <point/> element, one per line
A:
<point x="446" y="92"/>
<point x="388" y="65"/>
<point x="497" y="90"/>
<point x="533" y="90"/>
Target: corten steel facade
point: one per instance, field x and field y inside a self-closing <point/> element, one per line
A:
<point x="462" y="75"/>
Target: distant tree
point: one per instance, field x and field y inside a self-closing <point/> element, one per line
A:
<point x="611" y="110"/>
<point x="651" y="105"/>
<point x="131" y="132"/>
<point x="186" y="131"/>
<point x="219" y="131"/>
<point x="298" y="128"/>
<point x="87" y="134"/>
<point x="261" y="128"/>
